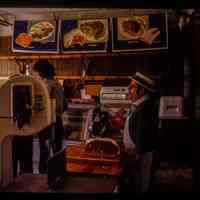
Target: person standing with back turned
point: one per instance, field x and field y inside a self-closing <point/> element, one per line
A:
<point x="44" y="70"/>
<point x="140" y="134"/>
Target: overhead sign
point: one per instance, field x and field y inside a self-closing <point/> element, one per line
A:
<point x="84" y="36"/>
<point x="41" y="36"/>
<point x="141" y="32"/>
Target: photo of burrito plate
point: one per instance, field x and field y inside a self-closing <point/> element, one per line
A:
<point x="132" y="27"/>
<point x="94" y="30"/>
<point x="41" y="31"/>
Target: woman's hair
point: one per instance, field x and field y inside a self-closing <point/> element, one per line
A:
<point x="45" y="69"/>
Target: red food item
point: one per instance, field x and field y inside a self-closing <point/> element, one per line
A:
<point x="88" y="167"/>
<point x="118" y="122"/>
<point x="78" y="39"/>
<point x="23" y="39"/>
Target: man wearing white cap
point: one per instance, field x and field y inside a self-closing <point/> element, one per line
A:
<point x="140" y="132"/>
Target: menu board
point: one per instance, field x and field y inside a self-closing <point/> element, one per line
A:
<point x="83" y="36"/>
<point x="142" y="32"/>
<point x="36" y="36"/>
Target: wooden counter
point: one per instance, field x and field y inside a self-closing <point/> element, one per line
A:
<point x="79" y="162"/>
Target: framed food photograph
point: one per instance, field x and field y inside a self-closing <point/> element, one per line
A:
<point x="39" y="36"/>
<point x="84" y="35"/>
<point x="139" y="33"/>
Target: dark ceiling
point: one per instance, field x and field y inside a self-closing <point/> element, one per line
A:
<point x="101" y="3"/>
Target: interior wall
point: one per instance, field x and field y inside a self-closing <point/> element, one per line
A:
<point x="8" y="68"/>
<point x="168" y="63"/>
<point x="110" y="66"/>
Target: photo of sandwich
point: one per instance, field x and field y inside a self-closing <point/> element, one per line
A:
<point x="139" y="32"/>
<point x="87" y="31"/>
<point x="94" y="30"/>
<point x="84" y="35"/>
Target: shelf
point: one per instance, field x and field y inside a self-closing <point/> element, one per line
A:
<point x="174" y="118"/>
<point x="80" y="163"/>
<point x="91" y="77"/>
<point x="83" y="168"/>
<point x="24" y="56"/>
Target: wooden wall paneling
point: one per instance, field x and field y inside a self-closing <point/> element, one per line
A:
<point x="8" y="67"/>
<point x="5" y="45"/>
<point x="67" y="67"/>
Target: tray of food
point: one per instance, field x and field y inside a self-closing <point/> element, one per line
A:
<point x="95" y="150"/>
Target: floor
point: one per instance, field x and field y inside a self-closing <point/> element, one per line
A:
<point x="36" y="154"/>
<point x="179" y="180"/>
<point x="72" y="184"/>
<point x="174" y="180"/>
<point x="29" y="183"/>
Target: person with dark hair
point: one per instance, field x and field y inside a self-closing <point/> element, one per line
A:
<point x="45" y="70"/>
<point x="140" y="134"/>
<point x="68" y="88"/>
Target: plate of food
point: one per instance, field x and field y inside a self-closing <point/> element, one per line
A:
<point x="94" y="30"/>
<point x="132" y="27"/>
<point x="41" y="31"/>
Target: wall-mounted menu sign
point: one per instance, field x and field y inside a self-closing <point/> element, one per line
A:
<point x="36" y="36"/>
<point x="142" y="32"/>
<point x="83" y="36"/>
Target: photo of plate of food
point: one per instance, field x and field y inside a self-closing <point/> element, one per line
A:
<point x="94" y="30"/>
<point x="43" y="31"/>
<point x="132" y="28"/>
<point x="35" y="36"/>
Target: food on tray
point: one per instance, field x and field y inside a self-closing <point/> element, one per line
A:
<point x="73" y="37"/>
<point x="41" y="31"/>
<point x="102" y="146"/>
<point x="23" y="39"/>
<point x="94" y="30"/>
<point x="133" y="27"/>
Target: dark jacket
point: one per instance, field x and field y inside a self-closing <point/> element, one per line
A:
<point x="143" y="126"/>
<point x="56" y="91"/>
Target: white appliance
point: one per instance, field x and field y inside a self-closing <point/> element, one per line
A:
<point x="114" y="95"/>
